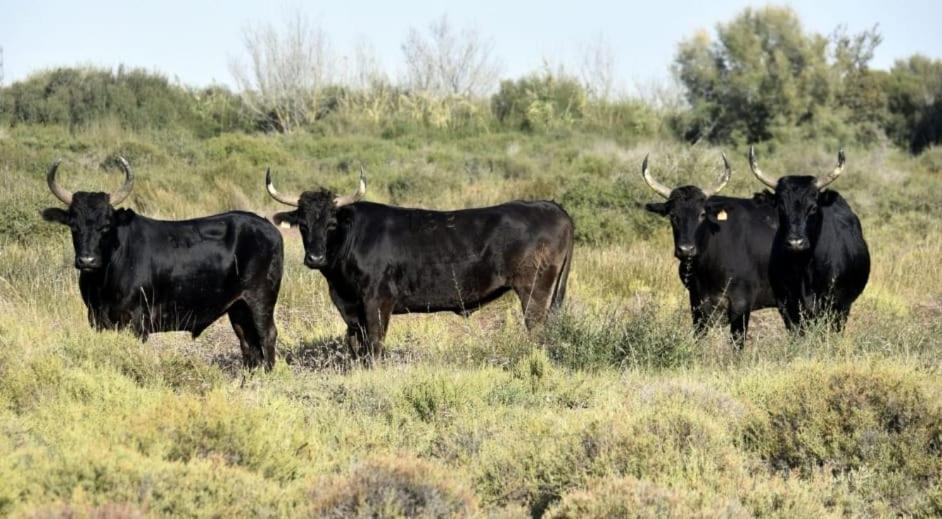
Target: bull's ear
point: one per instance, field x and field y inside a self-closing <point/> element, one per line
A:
<point x="55" y="215"/>
<point x="657" y="208"/>
<point x="827" y="197"/>
<point x="288" y="217"/>
<point x="123" y="216"/>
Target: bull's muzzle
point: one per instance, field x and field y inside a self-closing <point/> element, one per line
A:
<point x="87" y="263"/>
<point x="797" y="244"/>
<point x="315" y="261"/>
<point x="685" y="251"/>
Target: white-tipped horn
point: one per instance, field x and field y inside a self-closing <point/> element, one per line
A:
<point x="64" y="195"/>
<point x="822" y="181"/>
<point x="722" y="180"/>
<point x="341" y="201"/>
<point x="118" y="196"/>
<point x="754" y="166"/>
<point x="274" y="192"/>
<point x="658" y="187"/>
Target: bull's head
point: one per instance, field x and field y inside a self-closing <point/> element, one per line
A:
<point x="91" y="216"/>
<point x="686" y="207"/>
<point x="315" y="217"/>
<point x="798" y="200"/>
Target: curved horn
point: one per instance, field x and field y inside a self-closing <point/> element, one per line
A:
<point x="116" y="197"/>
<point x="62" y="194"/>
<point x="754" y="166"/>
<point x="722" y="180"/>
<point x="822" y="181"/>
<point x="658" y="187"/>
<point x="341" y="201"/>
<point x="274" y="194"/>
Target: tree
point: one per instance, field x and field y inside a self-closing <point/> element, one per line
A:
<point x="286" y="71"/>
<point x="446" y="62"/>
<point x="765" y="73"/>
<point x="914" y="93"/>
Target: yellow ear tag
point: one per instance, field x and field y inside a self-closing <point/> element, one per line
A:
<point x="721" y="216"/>
<point x="285" y="225"/>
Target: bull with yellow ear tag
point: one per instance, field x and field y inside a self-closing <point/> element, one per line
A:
<point x="723" y="262"/>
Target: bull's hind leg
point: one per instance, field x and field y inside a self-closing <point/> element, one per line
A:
<point x="240" y="316"/>
<point x="263" y="320"/>
<point x="536" y="296"/>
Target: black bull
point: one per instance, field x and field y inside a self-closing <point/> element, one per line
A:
<point x="820" y="262"/>
<point x="724" y="247"/>
<point x="381" y="260"/>
<point x="155" y="276"/>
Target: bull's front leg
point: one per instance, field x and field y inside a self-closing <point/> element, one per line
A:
<point x="701" y="310"/>
<point x="376" y="314"/>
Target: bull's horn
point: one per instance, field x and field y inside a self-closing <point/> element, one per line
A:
<point x="62" y="194"/>
<point x="822" y="181"/>
<point x="754" y="166"/>
<point x="118" y="196"/>
<point x="658" y="187"/>
<point x="274" y="193"/>
<point x="341" y="201"/>
<point x="722" y="181"/>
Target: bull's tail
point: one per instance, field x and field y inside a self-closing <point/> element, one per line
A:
<point x="559" y="291"/>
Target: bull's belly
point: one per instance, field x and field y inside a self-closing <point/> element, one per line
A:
<point x="464" y="303"/>
<point x="149" y="316"/>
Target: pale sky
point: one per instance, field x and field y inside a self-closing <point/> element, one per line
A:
<point x="194" y="41"/>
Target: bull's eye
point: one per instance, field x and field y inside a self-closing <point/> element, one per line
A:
<point x="812" y="209"/>
<point x="702" y="215"/>
<point x="104" y="228"/>
<point x="331" y="226"/>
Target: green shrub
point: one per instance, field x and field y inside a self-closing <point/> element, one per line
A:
<point x="851" y="419"/>
<point x="539" y="102"/>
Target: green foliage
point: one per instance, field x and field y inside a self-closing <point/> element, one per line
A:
<point x="914" y="92"/>
<point x="852" y="420"/>
<point x="539" y="102"/>
<point x="79" y="97"/>
<point x="764" y="74"/>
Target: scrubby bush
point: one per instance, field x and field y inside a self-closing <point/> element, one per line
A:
<point x="648" y="338"/>
<point x="401" y="486"/>
<point x="135" y="98"/>
<point x="539" y="102"/>
<point x="628" y="497"/>
<point x="853" y="421"/>
<point x="107" y="511"/>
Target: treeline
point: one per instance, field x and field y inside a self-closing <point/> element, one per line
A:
<point x="764" y="77"/>
<point x="760" y="77"/>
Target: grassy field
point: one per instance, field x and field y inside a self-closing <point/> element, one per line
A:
<point x="615" y="409"/>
